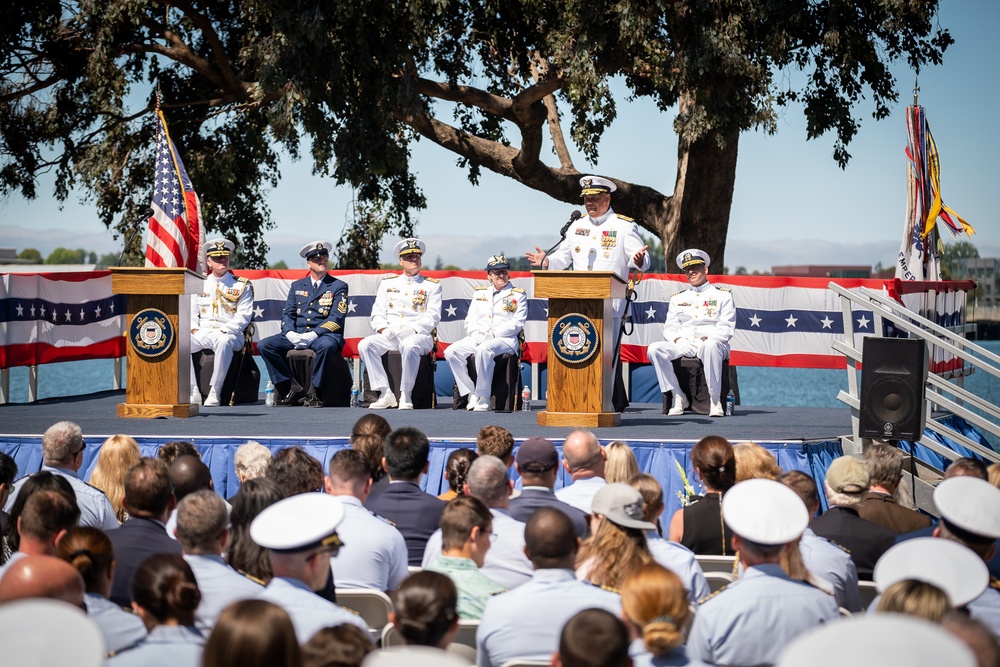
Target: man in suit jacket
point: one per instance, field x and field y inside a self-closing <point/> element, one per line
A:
<point x="846" y="484"/>
<point x="885" y="467"/>
<point x="416" y="514"/>
<point x="537" y="463"/>
<point x="313" y="319"/>
<point x="149" y="500"/>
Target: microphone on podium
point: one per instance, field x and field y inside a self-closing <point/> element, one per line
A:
<point x="140" y="225"/>
<point x="573" y="217"/>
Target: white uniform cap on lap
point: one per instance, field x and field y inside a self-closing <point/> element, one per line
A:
<point x="315" y="247"/>
<point x="408" y="247"/>
<point x="693" y="256"/>
<point x="49" y="632"/>
<point x="970" y="504"/>
<point x="877" y="640"/>
<point x="952" y="567"/>
<point x="764" y="511"/>
<point x="299" y="523"/>
<point x="595" y="185"/>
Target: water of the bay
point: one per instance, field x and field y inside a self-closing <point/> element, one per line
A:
<point x="781" y="387"/>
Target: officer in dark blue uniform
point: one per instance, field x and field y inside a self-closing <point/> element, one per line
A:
<point x="313" y="318"/>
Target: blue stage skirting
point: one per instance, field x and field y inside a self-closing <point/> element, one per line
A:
<point x="664" y="460"/>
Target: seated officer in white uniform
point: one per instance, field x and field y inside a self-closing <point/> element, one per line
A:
<point x="700" y="322"/>
<point x="602" y="240"/>
<point x="750" y="621"/>
<point x="496" y="316"/>
<point x="407" y="309"/>
<point x="300" y="535"/>
<point x="218" y="316"/>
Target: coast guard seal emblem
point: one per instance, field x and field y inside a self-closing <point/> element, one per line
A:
<point x="575" y="339"/>
<point x="150" y="333"/>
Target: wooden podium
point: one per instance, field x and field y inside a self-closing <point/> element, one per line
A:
<point x="158" y="345"/>
<point x="581" y="344"/>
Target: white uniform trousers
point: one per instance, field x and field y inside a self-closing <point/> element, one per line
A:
<point x="711" y="352"/>
<point x="485" y="353"/>
<point x="410" y="349"/>
<point x="224" y="345"/>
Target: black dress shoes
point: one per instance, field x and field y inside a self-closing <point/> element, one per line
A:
<point x="313" y="401"/>
<point x="293" y="397"/>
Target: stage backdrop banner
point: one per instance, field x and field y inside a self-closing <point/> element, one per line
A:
<point x="790" y="322"/>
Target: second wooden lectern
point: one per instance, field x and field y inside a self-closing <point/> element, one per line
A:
<point x="158" y="345"/>
<point x="581" y="345"/>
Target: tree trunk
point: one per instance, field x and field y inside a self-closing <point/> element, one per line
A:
<point x="697" y="215"/>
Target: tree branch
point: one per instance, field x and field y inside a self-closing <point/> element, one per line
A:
<point x="492" y="104"/>
<point x="203" y="24"/>
<point x="552" y="118"/>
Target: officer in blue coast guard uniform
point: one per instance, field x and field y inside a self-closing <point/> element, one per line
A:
<point x="407" y="309"/>
<point x="313" y="318"/>
<point x="700" y="322"/>
<point x="496" y="317"/>
<point x="750" y="621"/>
<point x="219" y="315"/>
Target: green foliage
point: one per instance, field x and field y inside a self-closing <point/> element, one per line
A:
<point x="359" y="82"/>
<point x="30" y="254"/>
<point x="66" y="256"/>
<point x="280" y="265"/>
<point x="108" y="260"/>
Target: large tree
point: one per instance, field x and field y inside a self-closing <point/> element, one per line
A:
<point x="506" y="85"/>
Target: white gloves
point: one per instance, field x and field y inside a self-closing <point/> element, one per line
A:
<point x="301" y="341"/>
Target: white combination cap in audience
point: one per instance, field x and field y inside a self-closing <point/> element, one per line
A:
<point x="970" y="504"/>
<point x="49" y="632"/>
<point x="765" y="511"/>
<point x="300" y="523"/>
<point x="952" y="567"/>
<point x="877" y="641"/>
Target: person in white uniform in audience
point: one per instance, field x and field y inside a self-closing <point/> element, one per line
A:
<point x="218" y="317"/>
<point x="700" y="322"/>
<point x="496" y="316"/>
<point x="407" y="309"/>
<point x="300" y="535"/>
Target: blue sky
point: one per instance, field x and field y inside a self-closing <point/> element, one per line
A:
<point x="792" y="203"/>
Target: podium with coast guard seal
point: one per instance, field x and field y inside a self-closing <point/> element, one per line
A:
<point x="158" y="340"/>
<point x="581" y="345"/>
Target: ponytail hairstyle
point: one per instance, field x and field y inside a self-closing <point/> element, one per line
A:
<point x="165" y="587"/>
<point x="655" y="602"/>
<point x="90" y="551"/>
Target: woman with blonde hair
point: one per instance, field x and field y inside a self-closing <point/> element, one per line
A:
<point x="655" y="611"/>
<point x="915" y="598"/>
<point x="618" y="537"/>
<point x="116" y="456"/>
<point x="754" y="461"/>
<point x="621" y="465"/>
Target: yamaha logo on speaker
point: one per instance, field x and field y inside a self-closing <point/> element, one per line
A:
<point x="887" y="428"/>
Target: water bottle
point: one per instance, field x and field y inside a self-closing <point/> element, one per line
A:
<point x="269" y="394"/>
<point x="730" y="403"/>
<point x="354" y="396"/>
<point x="526" y="399"/>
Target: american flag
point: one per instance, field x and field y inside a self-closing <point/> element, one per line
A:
<point x="176" y="230"/>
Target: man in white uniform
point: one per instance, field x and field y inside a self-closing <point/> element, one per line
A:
<point x="700" y="322"/>
<point x="496" y="316"/>
<point x="218" y="317"/>
<point x="600" y="241"/>
<point x="407" y="309"/>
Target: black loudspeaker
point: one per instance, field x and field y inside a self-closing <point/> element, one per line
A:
<point x="893" y="377"/>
